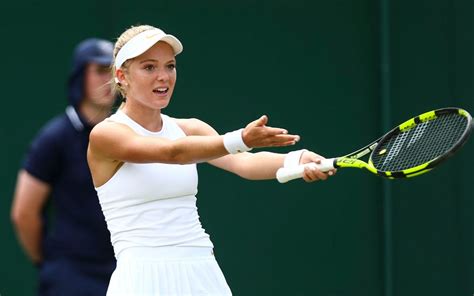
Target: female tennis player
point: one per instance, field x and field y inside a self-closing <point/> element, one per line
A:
<point x="143" y="164"/>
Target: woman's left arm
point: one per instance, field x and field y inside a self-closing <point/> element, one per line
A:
<point x="253" y="166"/>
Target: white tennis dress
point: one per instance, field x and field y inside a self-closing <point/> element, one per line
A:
<point x="160" y="245"/>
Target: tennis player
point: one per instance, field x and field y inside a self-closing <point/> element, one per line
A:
<point x="143" y="165"/>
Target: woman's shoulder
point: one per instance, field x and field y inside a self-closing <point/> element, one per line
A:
<point x="108" y="128"/>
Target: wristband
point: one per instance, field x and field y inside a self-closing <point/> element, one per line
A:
<point x="234" y="143"/>
<point x="292" y="159"/>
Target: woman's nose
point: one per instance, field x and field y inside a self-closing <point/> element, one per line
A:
<point x="162" y="75"/>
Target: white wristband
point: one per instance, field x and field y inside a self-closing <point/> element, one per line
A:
<point x="234" y="143"/>
<point x="292" y="159"/>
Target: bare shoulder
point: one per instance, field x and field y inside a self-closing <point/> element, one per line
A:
<point x="195" y="127"/>
<point x="108" y="126"/>
<point x="102" y="127"/>
<point x="109" y="132"/>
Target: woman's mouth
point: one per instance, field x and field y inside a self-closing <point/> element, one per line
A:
<point x="161" y="90"/>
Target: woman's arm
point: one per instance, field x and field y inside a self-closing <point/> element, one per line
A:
<point x="253" y="166"/>
<point x="29" y="198"/>
<point x="264" y="165"/>
<point x="111" y="144"/>
<point x="118" y="142"/>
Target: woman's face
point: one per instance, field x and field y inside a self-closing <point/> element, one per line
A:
<point x="151" y="77"/>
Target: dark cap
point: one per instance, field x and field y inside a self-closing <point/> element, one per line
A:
<point x="92" y="50"/>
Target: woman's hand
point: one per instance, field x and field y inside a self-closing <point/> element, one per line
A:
<point x="311" y="173"/>
<point x="256" y="134"/>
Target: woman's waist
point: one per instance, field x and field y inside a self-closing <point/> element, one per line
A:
<point x="178" y="252"/>
<point x="124" y="205"/>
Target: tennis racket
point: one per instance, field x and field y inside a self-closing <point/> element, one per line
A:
<point x="410" y="149"/>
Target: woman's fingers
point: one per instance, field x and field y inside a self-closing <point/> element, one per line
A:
<point x="255" y="135"/>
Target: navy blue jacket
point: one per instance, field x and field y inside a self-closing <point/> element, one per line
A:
<point x="76" y="236"/>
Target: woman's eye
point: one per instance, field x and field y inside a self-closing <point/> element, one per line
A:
<point x="171" y="66"/>
<point x="149" y="67"/>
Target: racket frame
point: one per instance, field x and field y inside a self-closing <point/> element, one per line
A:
<point x="353" y="159"/>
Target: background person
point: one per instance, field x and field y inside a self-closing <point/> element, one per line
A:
<point x="72" y="246"/>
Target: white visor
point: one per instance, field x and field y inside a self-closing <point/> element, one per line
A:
<point x="142" y="42"/>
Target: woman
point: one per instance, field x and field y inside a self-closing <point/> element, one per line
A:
<point x="143" y="166"/>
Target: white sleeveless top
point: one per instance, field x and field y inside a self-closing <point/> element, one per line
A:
<point x="152" y="205"/>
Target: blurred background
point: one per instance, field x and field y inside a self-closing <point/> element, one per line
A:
<point x="339" y="73"/>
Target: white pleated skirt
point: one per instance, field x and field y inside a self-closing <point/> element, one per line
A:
<point x="168" y="271"/>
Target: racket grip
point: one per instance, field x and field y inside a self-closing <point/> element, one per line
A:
<point x="284" y="175"/>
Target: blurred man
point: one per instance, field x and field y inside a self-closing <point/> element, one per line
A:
<point x="70" y="243"/>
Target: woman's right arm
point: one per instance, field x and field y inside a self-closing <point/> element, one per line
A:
<point x="118" y="142"/>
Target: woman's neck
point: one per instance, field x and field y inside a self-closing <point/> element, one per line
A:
<point x="148" y="118"/>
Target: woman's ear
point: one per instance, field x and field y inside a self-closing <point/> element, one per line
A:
<point x="120" y="78"/>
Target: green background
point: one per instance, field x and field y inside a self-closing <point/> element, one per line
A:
<point x="339" y="73"/>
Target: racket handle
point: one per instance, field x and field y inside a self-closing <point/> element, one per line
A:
<point x="284" y="175"/>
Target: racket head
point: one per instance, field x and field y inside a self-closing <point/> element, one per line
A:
<point x="421" y="143"/>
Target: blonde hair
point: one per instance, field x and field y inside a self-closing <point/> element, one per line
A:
<point x="124" y="38"/>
